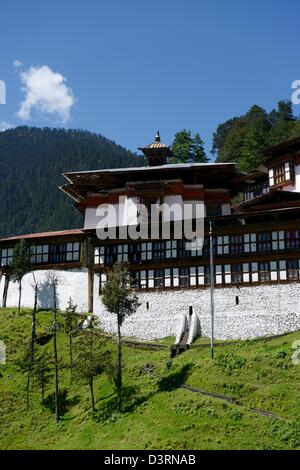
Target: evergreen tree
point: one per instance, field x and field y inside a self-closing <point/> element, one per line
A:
<point x="71" y="320"/>
<point x="198" y="150"/>
<point x="188" y="149"/>
<point x="89" y="362"/>
<point x="42" y="372"/>
<point x="120" y="300"/>
<point x="243" y="139"/>
<point x="54" y="281"/>
<point x="33" y="337"/>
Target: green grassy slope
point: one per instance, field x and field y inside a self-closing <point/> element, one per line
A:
<point x="157" y="415"/>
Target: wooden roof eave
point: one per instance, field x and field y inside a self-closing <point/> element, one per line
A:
<point x="70" y="191"/>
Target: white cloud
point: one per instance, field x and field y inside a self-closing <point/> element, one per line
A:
<point x="5" y="125"/>
<point x="46" y="92"/>
<point x="17" y="63"/>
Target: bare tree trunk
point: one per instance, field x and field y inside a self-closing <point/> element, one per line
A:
<point x="5" y="290"/>
<point x="119" y="369"/>
<point x="32" y="342"/>
<point x="20" y="295"/>
<point x="91" y="384"/>
<point x="56" y="391"/>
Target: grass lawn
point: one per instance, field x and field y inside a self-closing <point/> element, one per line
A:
<point x="157" y="415"/>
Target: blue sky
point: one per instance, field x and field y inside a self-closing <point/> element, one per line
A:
<point x="128" y="68"/>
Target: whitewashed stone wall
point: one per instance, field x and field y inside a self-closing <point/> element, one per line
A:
<point x="262" y="310"/>
<point x="72" y="283"/>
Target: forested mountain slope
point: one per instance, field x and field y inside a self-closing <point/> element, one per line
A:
<point x="31" y="163"/>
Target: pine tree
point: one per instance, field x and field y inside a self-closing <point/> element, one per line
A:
<point x="120" y="300"/>
<point x="90" y="361"/>
<point x="71" y="320"/>
<point x="188" y="149"/>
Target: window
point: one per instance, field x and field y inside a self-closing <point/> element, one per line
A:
<point x="281" y="173"/>
<point x="57" y="253"/>
<point x="219" y="274"/>
<point x="250" y="242"/>
<point x="39" y="254"/>
<point x="273" y="271"/>
<point x="159" y="278"/>
<point x="110" y="254"/>
<point x="135" y="252"/>
<point x="182" y="249"/>
<point x="236" y="273"/>
<point x="194" y="247"/>
<point x="282" y="270"/>
<point x="168" y="278"/>
<point x="99" y="255"/>
<point x="150" y="278"/>
<point x="236" y="243"/>
<point x="222" y="274"/>
<point x="253" y="273"/>
<point x="292" y="239"/>
<point x="143" y="279"/>
<point x="158" y="250"/>
<point x="193" y="276"/>
<point x="175" y="276"/>
<point x="171" y="249"/>
<point x="64" y="252"/>
<point x="102" y="281"/>
<point x="206" y="275"/>
<point x="146" y="251"/>
<point x="6" y="256"/>
<point x="73" y="251"/>
<point x="278" y="240"/>
<point x="264" y="271"/>
<point x="184" y="277"/>
<point x="223" y="245"/>
<point x="264" y="241"/>
<point x="122" y="253"/>
<point x="206" y="246"/>
<point x="139" y="279"/>
<point x="292" y="267"/>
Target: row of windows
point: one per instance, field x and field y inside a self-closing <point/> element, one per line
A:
<point x="237" y="274"/>
<point x="51" y="254"/>
<point x="222" y="245"/>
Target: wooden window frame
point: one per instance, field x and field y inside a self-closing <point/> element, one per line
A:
<point x="8" y="256"/>
<point x="264" y="242"/>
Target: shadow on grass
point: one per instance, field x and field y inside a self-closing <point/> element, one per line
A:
<point x="132" y="398"/>
<point x="173" y="381"/>
<point x="65" y="403"/>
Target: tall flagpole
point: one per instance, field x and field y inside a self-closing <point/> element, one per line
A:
<point x="212" y="304"/>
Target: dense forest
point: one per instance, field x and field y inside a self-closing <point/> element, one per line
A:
<point x="242" y="139"/>
<point x="32" y="161"/>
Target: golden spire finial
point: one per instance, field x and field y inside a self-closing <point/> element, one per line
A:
<point x="157" y="137"/>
